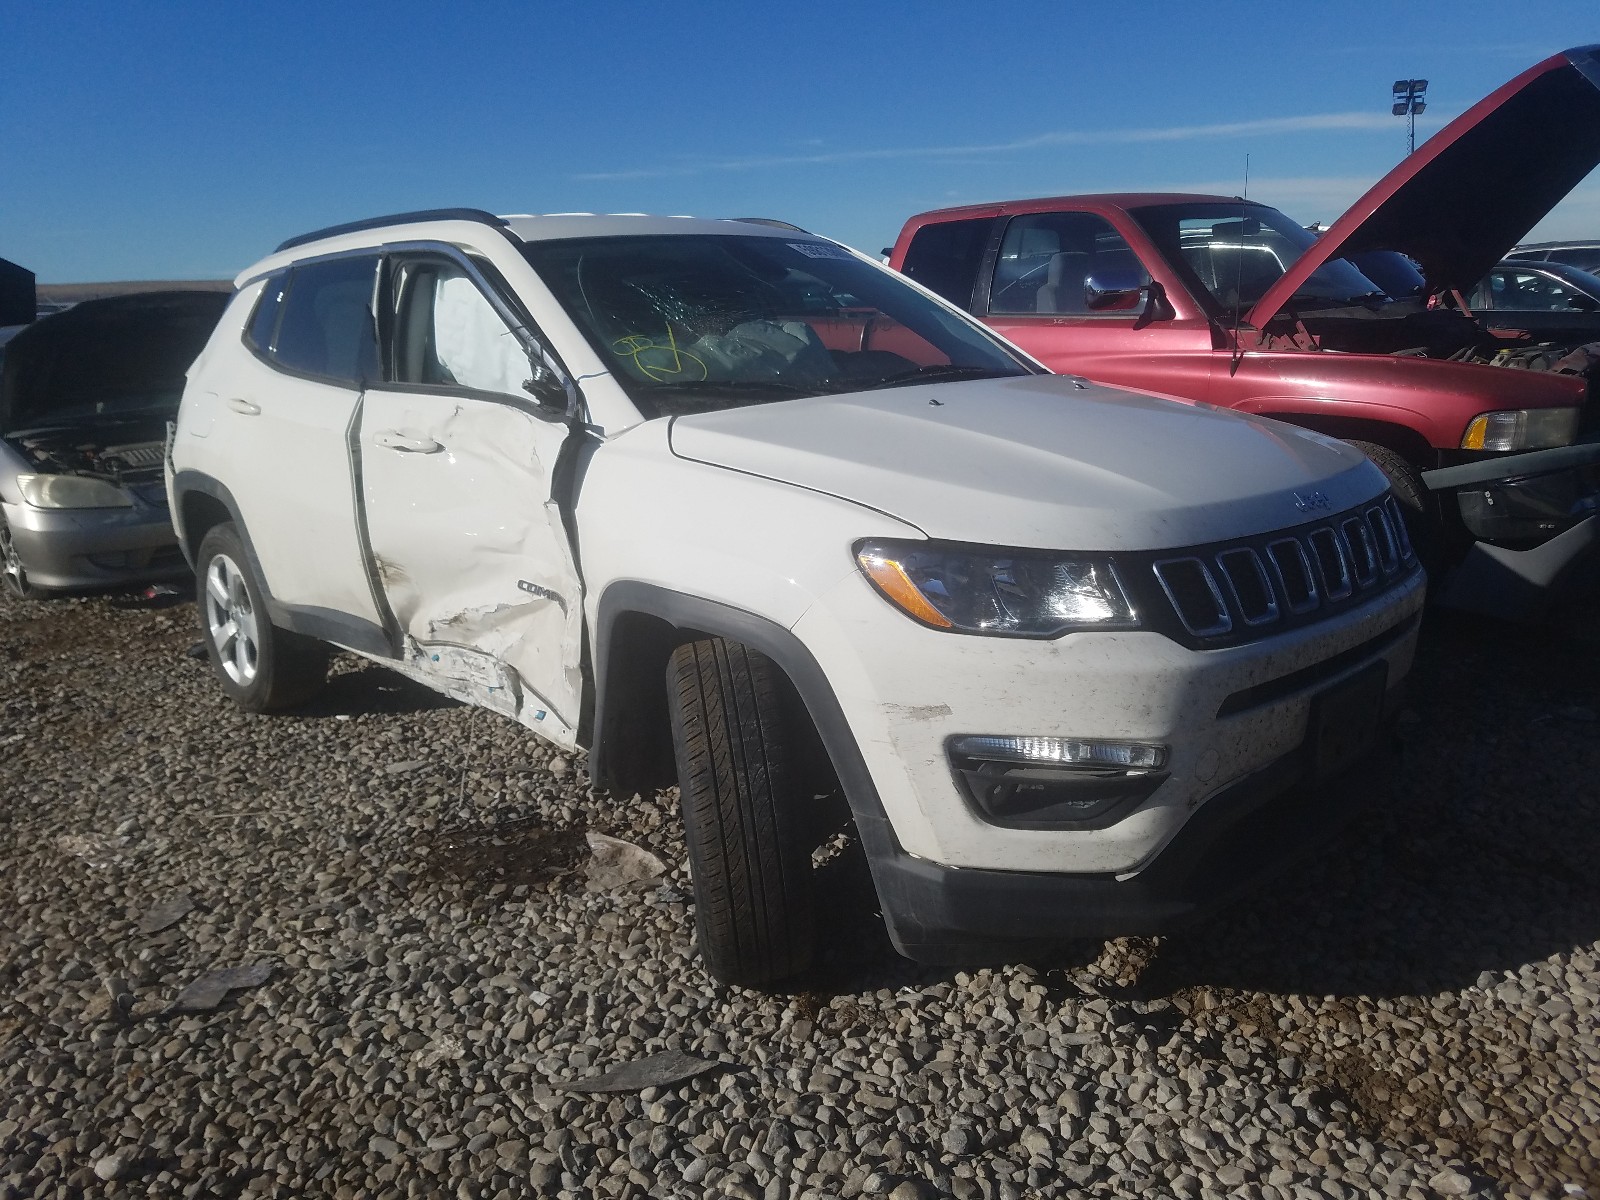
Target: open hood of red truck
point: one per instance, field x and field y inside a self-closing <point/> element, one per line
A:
<point x="1473" y="190"/>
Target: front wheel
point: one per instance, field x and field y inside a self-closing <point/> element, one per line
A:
<point x="752" y="886"/>
<point x="13" y="575"/>
<point x="262" y="667"/>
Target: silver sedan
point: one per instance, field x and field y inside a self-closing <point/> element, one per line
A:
<point x="85" y="396"/>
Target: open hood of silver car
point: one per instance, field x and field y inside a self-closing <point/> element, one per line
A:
<point x="117" y="357"/>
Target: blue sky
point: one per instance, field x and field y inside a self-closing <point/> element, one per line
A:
<point x="184" y="140"/>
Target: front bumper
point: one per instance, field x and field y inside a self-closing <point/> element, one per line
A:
<point x="1255" y="828"/>
<point x="1224" y="714"/>
<point x="1528" y="510"/>
<point x="1535" y="521"/>
<point x="95" y="547"/>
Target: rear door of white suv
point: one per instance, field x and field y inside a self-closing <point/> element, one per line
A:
<point x="286" y="420"/>
<point x="455" y="467"/>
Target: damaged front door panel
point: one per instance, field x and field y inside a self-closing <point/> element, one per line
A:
<point x="481" y="583"/>
<point x="469" y="547"/>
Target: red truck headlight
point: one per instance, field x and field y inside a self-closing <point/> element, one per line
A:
<point x="1521" y="429"/>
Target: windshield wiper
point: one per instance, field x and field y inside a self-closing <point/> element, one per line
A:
<point x="717" y="387"/>
<point x="937" y="374"/>
<point x="1366" y="299"/>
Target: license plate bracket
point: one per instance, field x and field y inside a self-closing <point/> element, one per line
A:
<point x="1345" y="719"/>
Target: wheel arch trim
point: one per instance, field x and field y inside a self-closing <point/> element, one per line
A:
<point x="328" y="625"/>
<point x="689" y="614"/>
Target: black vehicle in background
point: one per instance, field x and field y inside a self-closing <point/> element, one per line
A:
<point x="1585" y="255"/>
<point x="1550" y="300"/>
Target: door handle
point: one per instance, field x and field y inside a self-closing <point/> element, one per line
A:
<point x="393" y="439"/>
<point x="244" y="407"/>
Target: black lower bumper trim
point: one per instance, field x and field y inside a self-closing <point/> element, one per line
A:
<point x="946" y="914"/>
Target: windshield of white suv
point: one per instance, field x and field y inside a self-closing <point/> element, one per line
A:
<point x="1235" y="252"/>
<point x="692" y="322"/>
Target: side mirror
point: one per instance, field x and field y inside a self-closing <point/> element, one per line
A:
<point x="549" y="385"/>
<point x="1113" y="287"/>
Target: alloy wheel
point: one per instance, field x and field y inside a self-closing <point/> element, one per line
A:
<point x="11" y="568"/>
<point x="231" y="620"/>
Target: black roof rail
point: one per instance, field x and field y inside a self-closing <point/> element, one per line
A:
<point x="427" y="214"/>
<point x="776" y="224"/>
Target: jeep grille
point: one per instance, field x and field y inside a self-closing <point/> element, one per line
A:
<point x="1248" y="588"/>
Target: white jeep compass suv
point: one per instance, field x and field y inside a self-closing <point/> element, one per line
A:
<point x="726" y="503"/>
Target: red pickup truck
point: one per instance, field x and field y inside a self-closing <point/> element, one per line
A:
<point x="1362" y="333"/>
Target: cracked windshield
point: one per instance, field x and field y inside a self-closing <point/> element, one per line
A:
<point x="693" y="323"/>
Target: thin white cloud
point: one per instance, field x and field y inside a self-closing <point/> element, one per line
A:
<point x="1306" y="197"/>
<point x="1360" y="122"/>
<point x="1325" y="197"/>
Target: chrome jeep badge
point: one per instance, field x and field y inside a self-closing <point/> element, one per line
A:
<point x="1310" y="501"/>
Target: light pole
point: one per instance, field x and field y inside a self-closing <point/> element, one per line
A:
<point x="1408" y="102"/>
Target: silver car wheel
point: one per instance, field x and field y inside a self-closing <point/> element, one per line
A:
<point x="231" y="620"/>
<point x="11" y="569"/>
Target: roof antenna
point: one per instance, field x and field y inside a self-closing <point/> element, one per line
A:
<point x="1238" y="275"/>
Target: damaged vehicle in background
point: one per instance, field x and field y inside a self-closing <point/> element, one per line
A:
<point x="85" y="397"/>
<point x="1363" y="333"/>
<point x="739" y="509"/>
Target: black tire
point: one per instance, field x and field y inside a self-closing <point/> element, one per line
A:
<point x="1423" y="522"/>
<point x="752" y="871"/>
<point x="286" y="669"/>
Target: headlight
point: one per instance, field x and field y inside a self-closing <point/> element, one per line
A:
<point x="1521" y="429"/>
<point x="1016" y="593"/>
<point x="71" y="491"/>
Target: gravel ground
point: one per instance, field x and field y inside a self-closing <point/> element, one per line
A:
<point x="420" y="967"/>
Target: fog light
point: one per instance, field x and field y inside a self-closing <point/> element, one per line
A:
<point x="1055" y="783"/>
<point x="1063" y="751"/>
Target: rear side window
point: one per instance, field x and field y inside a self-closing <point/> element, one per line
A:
<point x="1046" y="260"/>
<point x="326" y="328"/>
<point x="269" y="308"/>
<point x="945" y="258"/>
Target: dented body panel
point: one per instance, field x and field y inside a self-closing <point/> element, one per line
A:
<point x="471" y="552"/>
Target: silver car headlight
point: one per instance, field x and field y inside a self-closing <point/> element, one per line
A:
<point x="71" y="491"/>
<point x="1009" y="593"/>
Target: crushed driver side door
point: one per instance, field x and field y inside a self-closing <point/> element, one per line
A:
<point x="468" y="545"/>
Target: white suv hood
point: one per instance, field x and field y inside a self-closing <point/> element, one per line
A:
<point x="1042" y="461"/>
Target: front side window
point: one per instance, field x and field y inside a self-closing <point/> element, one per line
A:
<point x="1046" y="260"/>
<point x="692" y="322"/>
<point x="448" y="334"/>
<point x="1235" y="252"/>
<point x="327" y="326"/>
